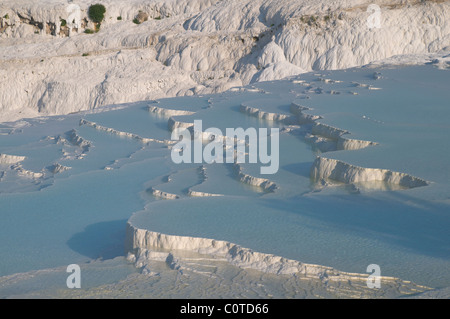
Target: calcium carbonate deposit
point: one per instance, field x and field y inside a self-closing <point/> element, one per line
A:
<point x="89" y="111"/>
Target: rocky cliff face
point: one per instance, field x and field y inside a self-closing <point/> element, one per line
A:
<point x="193" y="47"/>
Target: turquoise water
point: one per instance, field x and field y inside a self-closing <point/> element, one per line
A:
<point x="80" y="214"/>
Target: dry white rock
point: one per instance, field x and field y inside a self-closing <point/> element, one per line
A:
<point x="197" y="47"/>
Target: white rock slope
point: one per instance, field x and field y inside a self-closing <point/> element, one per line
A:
<point x="144" y="246"/>
<point x="327" y="168"/>
<point x="194" y="47"/>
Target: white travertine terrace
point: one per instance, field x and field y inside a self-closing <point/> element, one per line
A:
<point x="204" y="47"/>
<point x="11" y="159"/>
<point x="302" y="117"/>
<point x="73" y="138"/>
<point x="144" y="245"/>
<point x="58" y="168"/>
<point x="253" y="111"/>
<point x="202" y="194"/>
<point x="325" y="137"/>
<point x="264" y="183"/>
<point x="327" y="168"/>
<point x="144" y="140"/>
<point x="168" y="112"/>
<point x="163" y="195"/>
<point x="204" y="177"/>
<point x="26" y="173"/>
<point x="174" y="124"/>
<point x="349" y="144"/>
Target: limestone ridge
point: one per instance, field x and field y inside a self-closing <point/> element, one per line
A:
<point x="327" y="168"/>
<point x="327" y="138"/>
<point x="144" y="140"/>
<point x="143" y="246"/>
<point x="194" y="47"/>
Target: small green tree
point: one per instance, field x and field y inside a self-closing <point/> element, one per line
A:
<point x="97" y="12"/>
